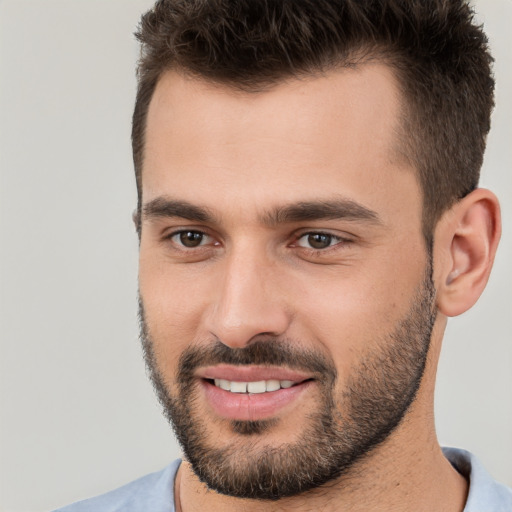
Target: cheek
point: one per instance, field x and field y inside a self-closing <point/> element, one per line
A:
<point x="353" y="312"/>
<point x="174" y="303"/>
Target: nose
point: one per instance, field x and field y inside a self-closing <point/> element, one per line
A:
<point x="250" y="301"/>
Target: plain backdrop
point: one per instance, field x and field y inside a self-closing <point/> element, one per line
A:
<point x="78" y="416"/>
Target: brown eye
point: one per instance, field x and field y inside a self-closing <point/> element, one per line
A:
<point x="190" y="239"/>
<point x="318" y="241"/>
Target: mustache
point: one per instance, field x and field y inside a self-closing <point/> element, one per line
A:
<point x="266" y="350"/>
<point x="263" y="352"/>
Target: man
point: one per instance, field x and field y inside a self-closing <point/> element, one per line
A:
<point x="309" y="218"/>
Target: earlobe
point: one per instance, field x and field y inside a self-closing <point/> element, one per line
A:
<point x="466" y="241"/>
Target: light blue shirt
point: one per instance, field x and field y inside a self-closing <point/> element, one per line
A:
<point x="155" y="492"/>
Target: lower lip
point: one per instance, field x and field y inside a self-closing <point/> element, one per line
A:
<point x="252" y="407"/>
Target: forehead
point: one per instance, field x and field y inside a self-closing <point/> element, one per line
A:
<point x="334" y="133"/>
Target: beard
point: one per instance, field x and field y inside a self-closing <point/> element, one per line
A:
<point x="343" y="429"/>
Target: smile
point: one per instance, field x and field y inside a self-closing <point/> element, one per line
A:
<point x="253" y="399"/>
<point x="255" y="387"/>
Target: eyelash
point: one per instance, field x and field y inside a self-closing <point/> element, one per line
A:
<point x="339" y="241"/>
<point x="181" y="232"/>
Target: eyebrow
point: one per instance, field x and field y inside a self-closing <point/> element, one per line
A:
<point x="162" y="207"/>
<point x="345" y="209"/>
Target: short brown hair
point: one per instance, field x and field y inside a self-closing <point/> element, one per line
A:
<point x="439" y="55"/>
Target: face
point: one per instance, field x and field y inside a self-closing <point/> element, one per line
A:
<point x="286" y="292"/>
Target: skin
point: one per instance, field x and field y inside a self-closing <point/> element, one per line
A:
<point x="241" y="156"/>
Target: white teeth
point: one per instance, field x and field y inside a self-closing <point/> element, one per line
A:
<point x="273" y="385"/>
<point x="256" y="387"/>
<point x="238" y="387"/>
<point x="224" y="384"/>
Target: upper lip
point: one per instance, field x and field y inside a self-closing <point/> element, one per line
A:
<point x="251" y="373"/>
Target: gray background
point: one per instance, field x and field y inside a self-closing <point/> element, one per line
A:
<point x="78" y="416"/>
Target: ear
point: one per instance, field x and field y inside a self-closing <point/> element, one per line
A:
<point x="466" y="239"/>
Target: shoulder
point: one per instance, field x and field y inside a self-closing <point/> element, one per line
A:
<point x="484" y="492"/>
<point x="153" y="492"/>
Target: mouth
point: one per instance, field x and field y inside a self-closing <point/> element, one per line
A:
<point x="253" y="387"/>
<point x="251" y="393"/>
